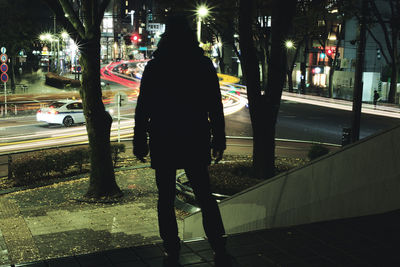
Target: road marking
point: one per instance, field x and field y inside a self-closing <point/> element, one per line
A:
<point x="55" y="137"/>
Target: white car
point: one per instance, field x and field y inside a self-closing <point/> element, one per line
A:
<point x="66" y="112"/>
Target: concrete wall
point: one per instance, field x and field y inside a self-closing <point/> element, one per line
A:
<point x="361" y="179"/>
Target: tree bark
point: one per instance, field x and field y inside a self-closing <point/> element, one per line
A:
<point x="358" y="84"/>
<point x="393" y="83"/>
<point x="264" y="107"/>
<point x="83" y="25"/>
<point x="282" y="16"/>
<point x="12" y="73"/>
<point x="394" y="65"/>
<point x="290" y="69"/>
<point x="257" y="102"/>
<point x="303" y="67"/>
<point x="98" y="123"/>
<point x="334" y="60"/>
<point x="290" y="80"/>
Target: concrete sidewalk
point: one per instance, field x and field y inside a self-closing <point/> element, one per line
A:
<point x="363" y="241"/>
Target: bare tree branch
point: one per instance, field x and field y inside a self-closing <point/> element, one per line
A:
<point x="102" y="8"/>
<point x="62" y="19"/>
<point x="88" y="12"/>
<point x="380" y="46"/>
<point x="72" y="16"/>
<point x="383" y="26"/>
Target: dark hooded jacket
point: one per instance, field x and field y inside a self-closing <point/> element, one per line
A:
<point x="179" y="105"/>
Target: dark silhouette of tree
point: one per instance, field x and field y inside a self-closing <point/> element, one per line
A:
<point x="389" y="23"/>
<point x="358" y="85"/>
<point x="82" y="20"/>
<point x="385" y="15"/>
<point x="264" y="106"/>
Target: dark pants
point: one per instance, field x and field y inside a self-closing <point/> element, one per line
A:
<point x="200" y="182"/>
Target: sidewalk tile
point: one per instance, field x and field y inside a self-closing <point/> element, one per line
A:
<point x="64" y="262"/>
<point x="118" y="256"/>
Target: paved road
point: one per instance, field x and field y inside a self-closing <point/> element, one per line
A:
<point x="300" y="121"/>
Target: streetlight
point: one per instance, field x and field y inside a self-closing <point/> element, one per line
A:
<point x="289" y="44"/>
<point x="64" y="35"/>
<point x="48" y="37"/>
<point x="202" y="12"/>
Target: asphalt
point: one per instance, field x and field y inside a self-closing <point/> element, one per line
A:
<point x="50" y="226"/>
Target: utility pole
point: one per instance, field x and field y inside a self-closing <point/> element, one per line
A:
<point x="358" y="84"/>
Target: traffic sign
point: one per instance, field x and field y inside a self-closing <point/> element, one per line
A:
<point x="3" y="58"/>
<point x="3" y="50"/>
<point x="4" y="77"/>
<point x="4" y="67"/>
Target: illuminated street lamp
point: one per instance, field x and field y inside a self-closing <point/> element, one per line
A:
<point x="289" y="44"/>
<point x="48" y="37"/>
<point x="64" y="35"/>
<point x="202" y="12"/>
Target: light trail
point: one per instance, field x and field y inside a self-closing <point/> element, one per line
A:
<point x="338" y="104"/>
<point x="234" y="94"/>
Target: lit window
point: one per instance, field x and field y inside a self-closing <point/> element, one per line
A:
<point x="126" y="2"/>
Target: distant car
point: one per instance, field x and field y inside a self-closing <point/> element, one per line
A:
<point x="65" y="112"/>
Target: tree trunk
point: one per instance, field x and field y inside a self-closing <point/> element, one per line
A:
<point x="303" y="67"/>
<point x="282" y="16"/>
<point x="264" y="68"/>
<point x="358" y="84"/>
<point x="334" y="60"/>
<point x="98" y="124"/>
<point x="290" y="80"/>
<point x="12" y="74"/>
<point x="290" y="69"/>
<point x="393" y="83"/>
<point x="330" y="82"/>
<point x="251" y="74"/>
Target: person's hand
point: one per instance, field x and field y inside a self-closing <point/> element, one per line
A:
<point x="217" y="155"/>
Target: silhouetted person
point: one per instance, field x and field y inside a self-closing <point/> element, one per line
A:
<point x="179" y="105"/>
<point x="376" y="97"/>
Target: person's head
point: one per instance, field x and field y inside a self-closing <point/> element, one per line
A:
<point x="178" y="37"/>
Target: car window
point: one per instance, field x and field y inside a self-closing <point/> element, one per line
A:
<point x="74" y="106"/>
<point x="56" y="105"/>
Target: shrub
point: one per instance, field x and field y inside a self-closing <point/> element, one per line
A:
<point x="78" y="157"/>
<point x="58" y="81"/>
<point x="32" y="167"/>
<point x="316" y="151"/>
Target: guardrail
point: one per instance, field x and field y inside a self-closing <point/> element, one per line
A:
<point x="18" y="107"/>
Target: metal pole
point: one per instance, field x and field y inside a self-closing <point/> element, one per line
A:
<point x="119" y="115"/>
<point x="199" y="29"/>
<point x="58" y="59"/>
<point x="5" y="98"/>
